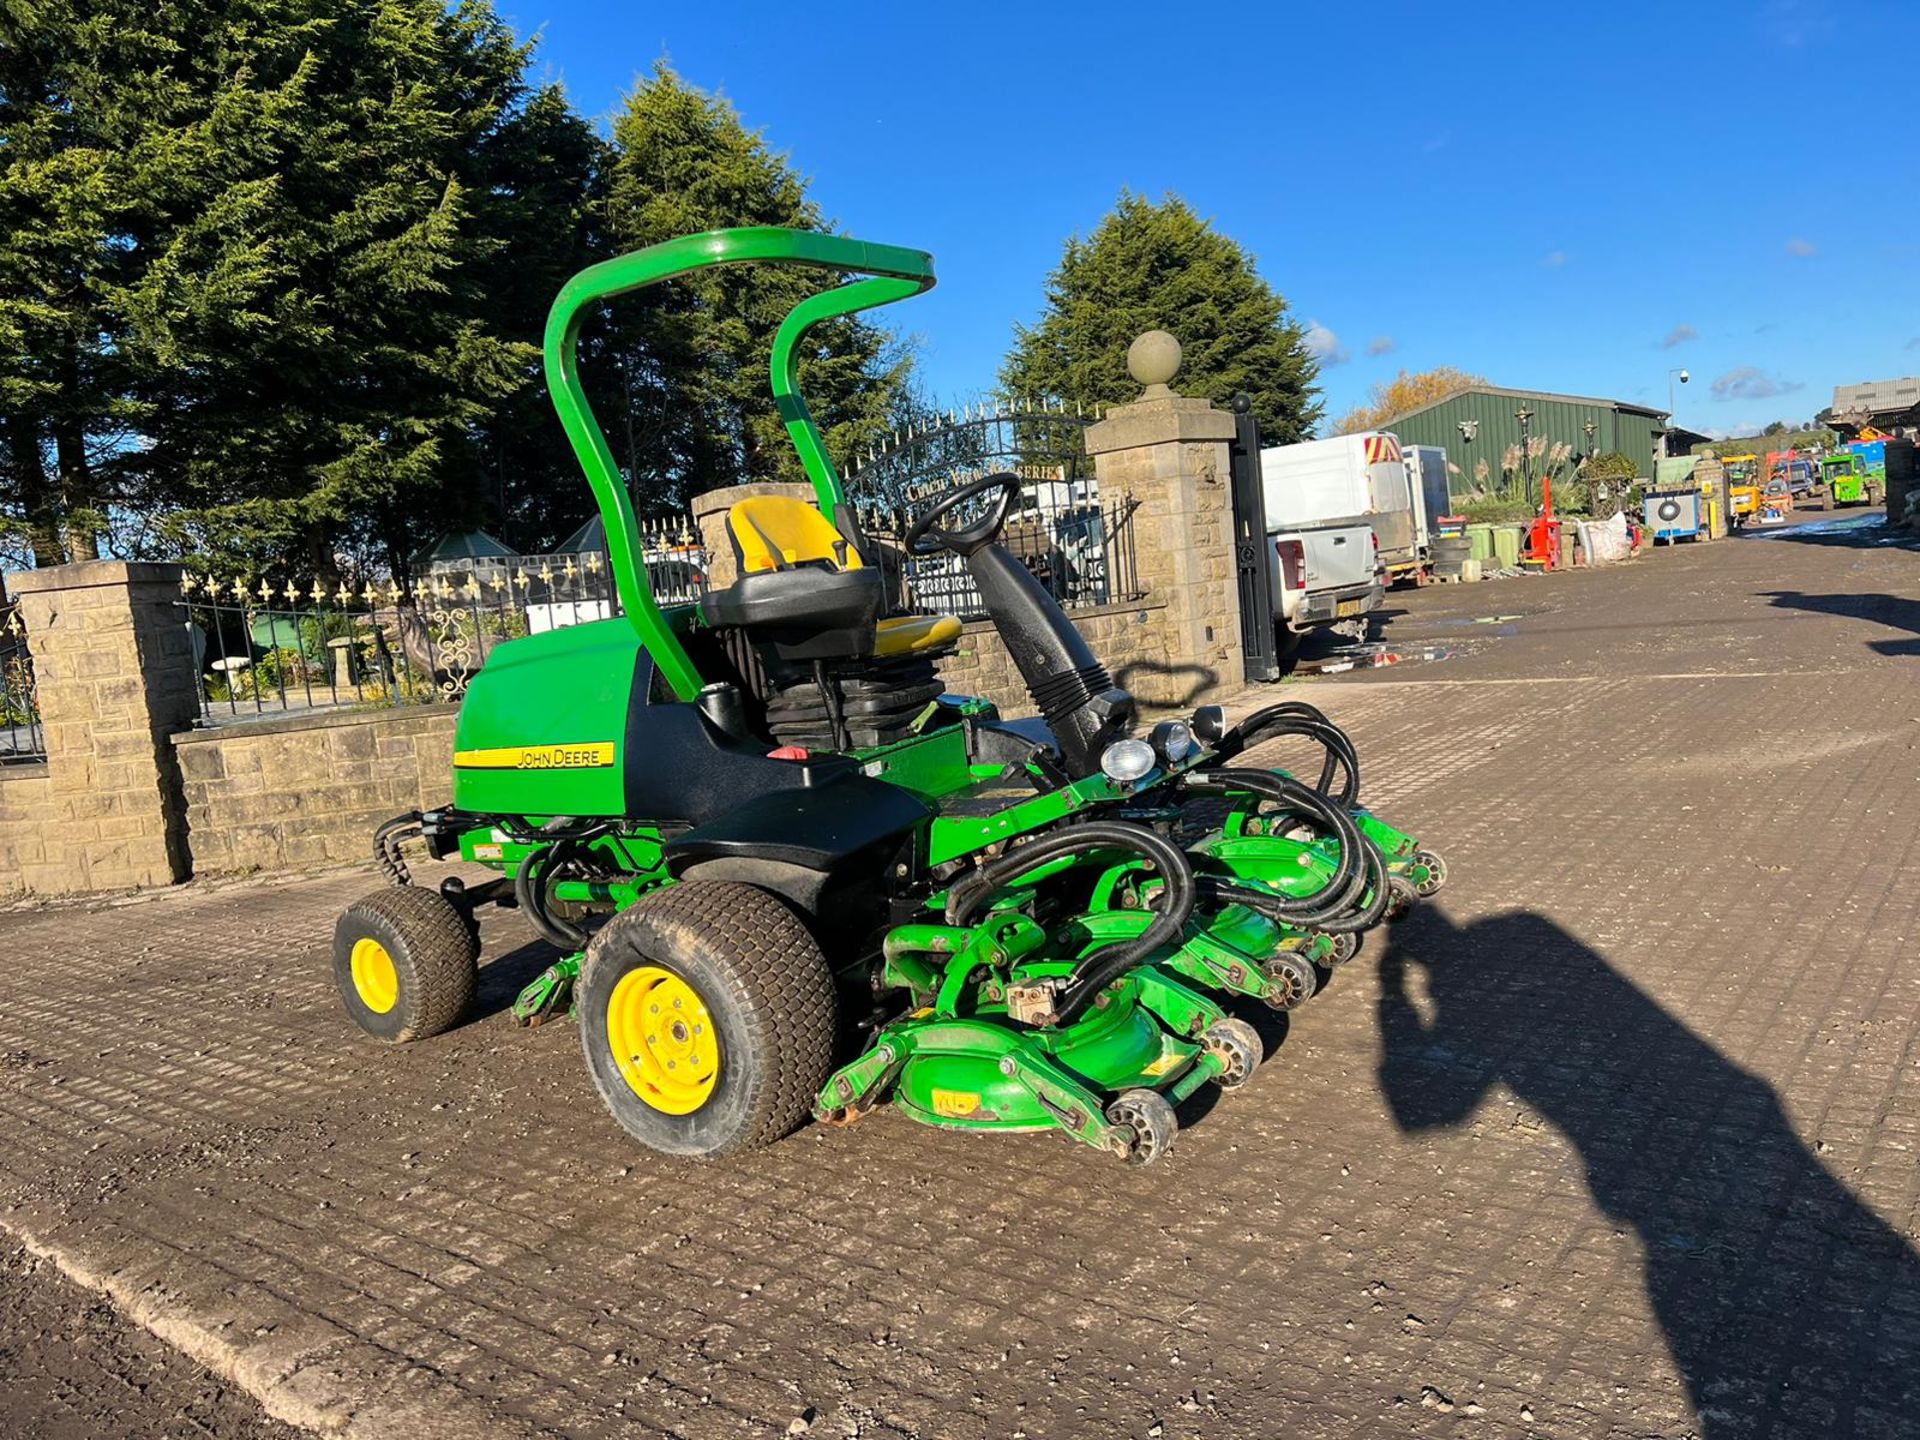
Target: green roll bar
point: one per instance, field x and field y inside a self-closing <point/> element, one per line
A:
<point x="897" y="273"/>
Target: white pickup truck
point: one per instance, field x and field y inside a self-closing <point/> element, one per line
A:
<point x="1328" y="569"/>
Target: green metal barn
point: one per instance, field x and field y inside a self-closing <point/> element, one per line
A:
<point x="1481" y="421"/>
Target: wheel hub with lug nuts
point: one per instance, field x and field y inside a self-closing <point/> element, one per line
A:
<point x="663" y="1039"/>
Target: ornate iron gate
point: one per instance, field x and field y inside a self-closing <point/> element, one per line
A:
<point x="1076" y="541"/>
<point x="1252" y="553"/>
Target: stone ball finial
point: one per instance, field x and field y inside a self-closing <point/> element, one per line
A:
<point x="1153" y="359"/>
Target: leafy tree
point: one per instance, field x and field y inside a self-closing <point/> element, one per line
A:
<point x="1778" y="427"/>
<point x="1611" y="465"/>
<point x="1406" y="391"/>
<point x="268" y="268"/>
<point x="691" y="407"/>
<point x="1160" y="266"/>
<point x="61" y="211"/>
<point x="273" y="275"/>
<point x="328" y="353"/>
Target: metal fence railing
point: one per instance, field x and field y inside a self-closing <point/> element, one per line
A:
<point x="21" y="738"/>
<point x="264" y="648"/>
<point x="1077" y="546"/>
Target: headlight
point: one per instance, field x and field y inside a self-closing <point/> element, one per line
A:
<point x="1209" y="723"/>
<point x="1173" y="739"/>
<point x="1125" y="761"/>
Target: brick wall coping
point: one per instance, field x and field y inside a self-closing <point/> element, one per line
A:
<point x="90" y="574"/>
<point x="1167" y="419"/>
<point x="37" y="771"/>
<point x="1085" y="612"/>
<point x="312" y="720"/>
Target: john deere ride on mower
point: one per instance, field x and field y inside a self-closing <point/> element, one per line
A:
<point x="831" y="884"/>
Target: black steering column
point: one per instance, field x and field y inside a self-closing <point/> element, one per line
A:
<point x="1071" y="688"/>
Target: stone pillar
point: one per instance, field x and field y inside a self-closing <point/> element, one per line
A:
<point x="1170" y="453"/>
<point x="710" y="514"/>
<point x="113" y="670"/>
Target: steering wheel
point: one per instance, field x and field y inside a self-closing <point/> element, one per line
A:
<point x="923" y="539"/>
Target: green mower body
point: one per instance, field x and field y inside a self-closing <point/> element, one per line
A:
<point x="787" y="873"/>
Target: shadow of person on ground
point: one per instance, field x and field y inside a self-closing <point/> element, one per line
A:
<point x="1895" y="611"/>
<point x="1790" y="1308"/>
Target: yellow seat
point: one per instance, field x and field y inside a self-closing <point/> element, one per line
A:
<point x="777" y="532"/>
<point x="912" y="634"/>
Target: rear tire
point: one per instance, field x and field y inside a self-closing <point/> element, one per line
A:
<point x="756" y="976"/>
<point x="406" y="963"/>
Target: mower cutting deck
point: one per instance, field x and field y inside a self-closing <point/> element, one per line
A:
<point x="830" y="884"/>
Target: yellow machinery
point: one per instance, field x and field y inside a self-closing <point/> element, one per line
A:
<point x="1743" y="487"/>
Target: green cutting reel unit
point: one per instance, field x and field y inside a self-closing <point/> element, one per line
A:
<point x="832" y="885"/>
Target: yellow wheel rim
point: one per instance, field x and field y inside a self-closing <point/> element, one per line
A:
<point x="374" y="978"/>
<point x="662" y="1038"/>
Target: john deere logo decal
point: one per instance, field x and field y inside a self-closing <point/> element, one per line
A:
<point x="538" y="757"/>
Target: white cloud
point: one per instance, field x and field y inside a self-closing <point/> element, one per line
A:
<point x="1555" y="259"/>
<point x="1802" y="248"/>
<point x="1325" y="346"/>
<point x="1381" y="345"/>
<point x="1793" y="24"/>
<point x="1679" y="335"/>
<point x="1749" y="382"/>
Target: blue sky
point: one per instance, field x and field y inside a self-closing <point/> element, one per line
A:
<point x="1573" y="198"/>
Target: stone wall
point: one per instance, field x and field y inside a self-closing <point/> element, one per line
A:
<point x="298" y="793"/>
<point x="1170" y="452"/>
<point x="26" y="822"/>
<point x="114" y="677"/>
<point x="982" y="666"/>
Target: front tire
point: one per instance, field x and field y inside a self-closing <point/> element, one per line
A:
<point x="406" y="963"/>
<point x="707" y="1018"/>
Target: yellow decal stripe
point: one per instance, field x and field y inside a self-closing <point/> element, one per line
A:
<point x="589" y="756"/>
<point x="955" y="1103"/>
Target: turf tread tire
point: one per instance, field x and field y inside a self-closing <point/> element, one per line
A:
<point x="435" y="952"/>
<point x="772" y="978"/>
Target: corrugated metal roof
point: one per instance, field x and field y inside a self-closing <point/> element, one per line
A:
<point x="1524" y="395"/>
<point x="1874" y="396"/>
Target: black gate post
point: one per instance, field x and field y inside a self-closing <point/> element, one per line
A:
<point x="1252" y="554"/>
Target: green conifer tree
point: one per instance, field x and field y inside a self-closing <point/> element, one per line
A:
<point x="1160" y="266"/>
<point x="694" y="409"/>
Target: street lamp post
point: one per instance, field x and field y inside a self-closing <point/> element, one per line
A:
<point x="1525" y="417"/>
<point x="1684" y="377"/>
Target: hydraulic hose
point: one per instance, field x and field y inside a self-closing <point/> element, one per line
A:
<point x="1348" y="883"/>
<point x="386" y="846"/>
<point x="530" y="886"/>
<point x="1296" y="717"/>
<point x="1368" y="915"/>
<point x="1100" y="969"/>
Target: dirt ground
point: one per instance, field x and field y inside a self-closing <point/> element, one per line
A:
<point x="76" y="1369"/>
<point x="1616" y="1139"/>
